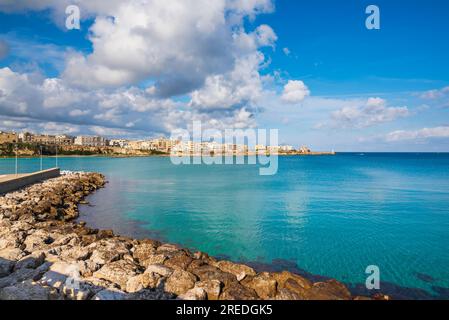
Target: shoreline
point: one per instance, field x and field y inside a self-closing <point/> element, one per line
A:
<point x="42" y="247"/>
<point x="102" y="155"/>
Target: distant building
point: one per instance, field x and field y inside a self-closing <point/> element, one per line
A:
<point x="43" y="139"/>
<point x="90" y="141"/>
<point x="273" y="149"/>
<point x="25" y="137"/>
<point x="64" y="140"/>
<point x="163" y="144"/>
<point x="121" y="143"/>
<point x="140" y="145"/>
<point x="8" y="137"/>
<point x="285" y="148"/>
<point x="304" y="149"/>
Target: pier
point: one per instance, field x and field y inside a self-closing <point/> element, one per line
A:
<point x="12" y="182"/>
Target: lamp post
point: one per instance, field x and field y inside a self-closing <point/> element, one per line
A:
<point x="17" y="163"/>
<point x="41" y="156"/>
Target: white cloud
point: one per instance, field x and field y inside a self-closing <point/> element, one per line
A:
<point x="58" y="128"/>
<point x="435" y="94"/>
<point x="241" y="86"/>
<point x="294" y="92"/>
<point x="11" y="124"/>
<point x="372" y="112"/>
<point x="197" y="59"/>
<point x="132" y="110"/>
<point x="265" y="36"/>
<point x="425" y="133"/>
<point x="78" y="113"/>
<point x="286" y="51"/>
<point x="177" y="44"/>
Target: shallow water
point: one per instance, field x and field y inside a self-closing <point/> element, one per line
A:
<point x="331" y="216"/>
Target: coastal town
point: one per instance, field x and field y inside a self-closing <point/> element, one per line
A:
<point x="29" y="144"/>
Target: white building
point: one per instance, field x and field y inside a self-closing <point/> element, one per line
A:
<point x="89" y="141"/>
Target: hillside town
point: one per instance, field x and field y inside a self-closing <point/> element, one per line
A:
<point x="101" y="145"/>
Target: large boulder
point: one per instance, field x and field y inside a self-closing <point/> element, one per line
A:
<point x="39" y="240"/>
<point x="263" y="284"/>
<point x="28" y="290"/>
<point x="108" y="250"/>
<point x="158" y="258"/>
<point x="329" y="290"/>
<point x="31" y="261"/>
<point x="180" y="282"/>
<point x="235" y="291"/>
<point x="159" y="269"/>
<point x="286" y="294"/>
<point x="110" y="294"/>
<point x="24" y="274"/>
<point x="207" y="272"/>
<point x="239" y="270"/>
<point x="143" y="251"/>
<point x="12" y="254"/>
<point x="211" y="287"/>
<point x="117" y="272"/>
<point x="283" y="277"/>
<point x="194" y="294"/>
<point x="6" y="267"/>
<point x="180" y="260"/>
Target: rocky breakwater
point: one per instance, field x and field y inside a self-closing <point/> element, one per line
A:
<point x="45" y="254"/>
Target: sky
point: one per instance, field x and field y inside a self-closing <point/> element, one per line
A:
<point x="311" y="69"/>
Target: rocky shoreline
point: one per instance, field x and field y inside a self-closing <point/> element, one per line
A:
<point x="46" y="254"/>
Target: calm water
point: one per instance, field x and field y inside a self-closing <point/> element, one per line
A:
<point x="329" y="216"/>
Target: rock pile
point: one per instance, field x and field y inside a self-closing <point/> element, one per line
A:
<point x="45" y="254"/>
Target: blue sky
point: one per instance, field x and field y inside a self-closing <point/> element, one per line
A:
<point x="309" y="68"/>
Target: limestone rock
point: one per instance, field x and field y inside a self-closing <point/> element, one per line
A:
<point x="107" y="251"/>
<point x="38" y="240"/>
<point x="212" y="288"/>
<point x="329" y="290"/>
<point x="31" y="261"/>
<point x="159" y="258"/>
<point x="12" y="254"/>
<point x="144" y="251"/>
<point x="117" y="272"/>
<point x="263" y="284"/>
<point x="239" y="270"/>
<point x="180" y="282"/>
<point x="28" y="290"/>
<point x="286" y="294"/>
<point x="24" y="274"/>
<point x="194" y="294"/>
<point x="284" y="276"/>
<point x="207" y="272"/>
<point x="110" y="294"/>
<point x="135" y="284"/>
<point x="159" y="269"/>
<point x="235" y="291"/>
<point x="180" y="260"/>
<point x="6" y="267"/>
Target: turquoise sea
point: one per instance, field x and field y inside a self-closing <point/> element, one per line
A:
<point x="329" y="216"/>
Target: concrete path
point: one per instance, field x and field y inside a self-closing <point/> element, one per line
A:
<point x="12" y="182"/>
